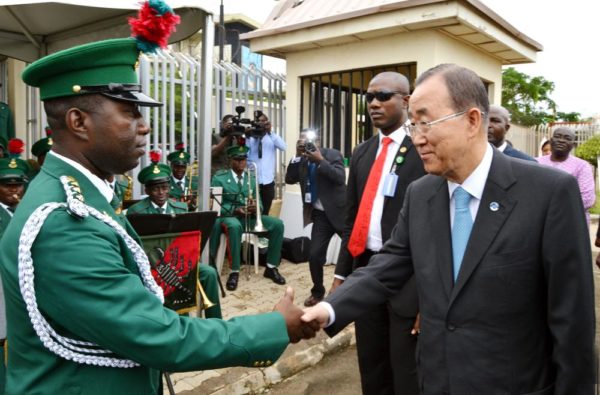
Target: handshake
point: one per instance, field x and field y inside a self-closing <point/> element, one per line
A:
<point x="301" y="324"/>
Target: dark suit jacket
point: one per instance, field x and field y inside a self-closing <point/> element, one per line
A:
<point x="331" y="185"/>
<point x="405" y="303"/>
<point x="515" y="153"/>
<point x="520" y="318"/>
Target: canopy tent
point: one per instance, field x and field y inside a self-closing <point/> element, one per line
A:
<point x="31" y="29"/>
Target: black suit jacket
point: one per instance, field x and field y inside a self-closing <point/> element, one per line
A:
<point x="520" y="318"/>
<point x="515" y="153"/>
<point x="331" y="185"/>
<point x="405" y="303"/>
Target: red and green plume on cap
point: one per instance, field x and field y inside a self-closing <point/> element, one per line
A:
<point x="13" y="169"/>
<point x="153" y="26"/>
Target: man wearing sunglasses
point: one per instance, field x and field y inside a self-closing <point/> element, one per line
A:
<point x="385" y="345"/>
<point x="500" y="251"/>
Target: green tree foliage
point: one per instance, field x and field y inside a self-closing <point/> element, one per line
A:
<point x="590" y="150"/>
<point x="527" y="98"/>
<point x="568" y="116"/>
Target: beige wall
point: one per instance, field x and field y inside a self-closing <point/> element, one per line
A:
<point x="17" y="96"/>
<point x="426" y="48"/>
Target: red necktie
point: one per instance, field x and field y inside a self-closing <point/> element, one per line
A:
<point x="360" y="231"/>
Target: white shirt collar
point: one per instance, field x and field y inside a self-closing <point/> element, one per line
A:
<point x="164" y="206"/>
<point x="235" y="176"/>
<point x="102" y="185"/>
<point x="475" y="182"/>
<point x="503" y="146"/>
<point x="176" y="180"/>
<point x="397" y="135"/>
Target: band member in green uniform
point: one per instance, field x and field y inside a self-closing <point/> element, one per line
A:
<point x="183" y="185"/>
<point x="90" y="318"/>
<point x="156" y="182"/>
<point x="13" y="178"/>
<point x="238" y="212"/>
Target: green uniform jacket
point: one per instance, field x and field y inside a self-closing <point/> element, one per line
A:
<point x="7" y="126"/>
<point x="176" y="192"/>
<point x="233" y="196"/>
<point x="5" y="218"/>
<point x="88" y="287"/>
<point x="145" y="206"/>
<point x="120" y="188"/>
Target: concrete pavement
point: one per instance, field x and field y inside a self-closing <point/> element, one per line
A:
<point x="257" y="295"/>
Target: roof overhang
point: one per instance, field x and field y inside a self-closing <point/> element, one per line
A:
<point x="468" y="21"/>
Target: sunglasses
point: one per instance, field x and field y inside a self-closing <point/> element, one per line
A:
<point x="382" y="96"/>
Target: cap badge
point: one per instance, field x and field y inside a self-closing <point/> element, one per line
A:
<point x="181" y="156"/>
<point x="50" y="141"/>
<point x="156" y="170"/>
<point x="12" y="164"/>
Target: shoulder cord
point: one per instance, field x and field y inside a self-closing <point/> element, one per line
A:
<point x="62" y="346"/>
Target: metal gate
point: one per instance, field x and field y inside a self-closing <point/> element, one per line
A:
<point x="175" y="80"/>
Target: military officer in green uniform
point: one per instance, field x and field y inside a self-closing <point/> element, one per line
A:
<point x="156" y="182"/>
<point x="41" y="147"/>
<point x="13" y="177"/>
<point x="238" y="212"/>
<point x="90" y="318"/>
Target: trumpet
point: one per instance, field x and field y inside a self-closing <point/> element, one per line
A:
<point x="206" y="303"/>
<point x="258" y="227"/>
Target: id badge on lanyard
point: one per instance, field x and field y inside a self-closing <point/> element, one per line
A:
<point x="389" y="184"/>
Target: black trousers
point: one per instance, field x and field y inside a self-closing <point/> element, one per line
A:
<point x="386" y="350"/>
<point x="267" y="194"/>
<point x="321" y="234"/>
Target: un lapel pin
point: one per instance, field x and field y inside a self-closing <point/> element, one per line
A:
<point x="494" y="206"/>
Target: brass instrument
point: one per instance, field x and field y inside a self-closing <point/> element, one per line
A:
<point x="258" y="227"/>
<point x="190" y="196"/>
<point x="205" y="302"/>
<point x="128" y="194"/>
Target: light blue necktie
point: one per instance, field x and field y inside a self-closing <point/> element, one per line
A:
<point x="461" y="229"/>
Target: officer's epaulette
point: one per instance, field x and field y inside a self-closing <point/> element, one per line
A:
<point x="221" y="172"/>
<point x="75" y="201"/>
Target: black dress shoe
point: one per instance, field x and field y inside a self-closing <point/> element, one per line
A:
<point x="312" y="300"/>
<point x="274" y="275"/>
<point x="232" y="281"/>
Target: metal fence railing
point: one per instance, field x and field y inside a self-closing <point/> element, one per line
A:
<point x="529" y="139"/>
<point x="175" y="80"/>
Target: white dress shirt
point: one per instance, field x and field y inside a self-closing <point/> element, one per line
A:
<point x="374" y="239"/>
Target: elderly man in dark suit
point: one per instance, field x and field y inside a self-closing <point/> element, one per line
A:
<point x="320" y="172"/>
<point x="498" y="125"/>
<point x="506" y="306"/>
<point x="385" y="344"/>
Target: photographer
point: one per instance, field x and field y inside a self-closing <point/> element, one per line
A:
<point x="262" y="144"/>
<point x="220" y="142"/>
<point x="320" y="172"/>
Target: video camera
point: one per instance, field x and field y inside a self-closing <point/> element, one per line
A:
<point x="245" y="127"/>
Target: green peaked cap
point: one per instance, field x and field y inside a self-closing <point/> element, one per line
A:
<point x="237" y="151"/>
<point x="105" y="67"/>
<point x="156" y="172"/>
<point x="179" y="157"/>
<point x="13" y="170"/>
<point x="42" y="146"/>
